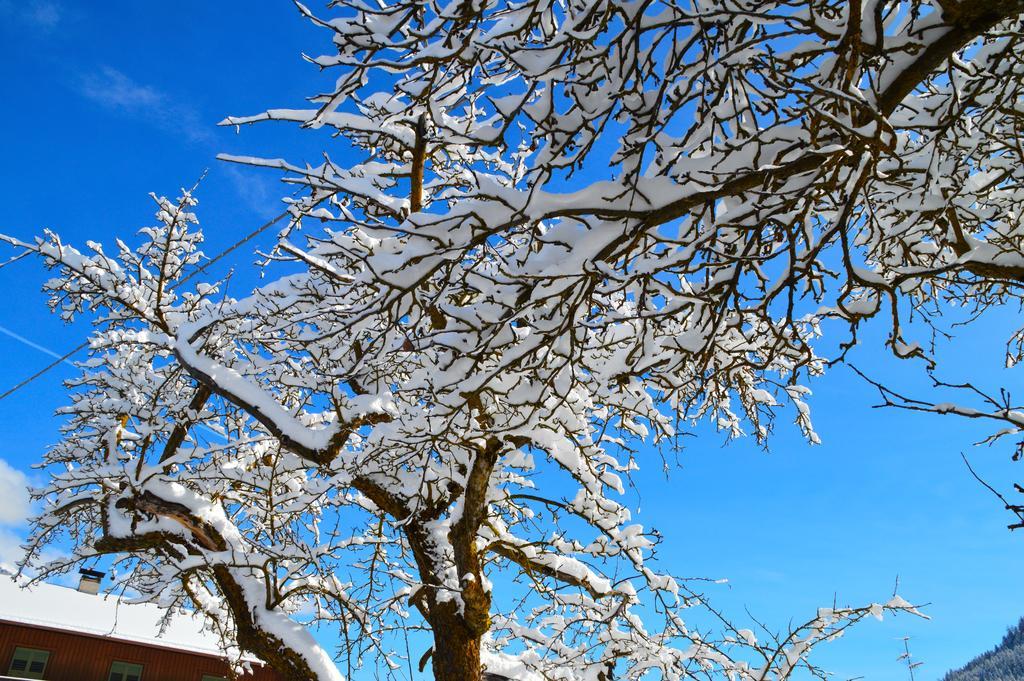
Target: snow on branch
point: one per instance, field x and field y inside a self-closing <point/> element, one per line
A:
<point x="559" y="234"/>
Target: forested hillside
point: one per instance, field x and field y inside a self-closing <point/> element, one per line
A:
<point x="1005" y="662"/>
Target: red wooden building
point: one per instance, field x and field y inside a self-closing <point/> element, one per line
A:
<point x="58" y="633"/>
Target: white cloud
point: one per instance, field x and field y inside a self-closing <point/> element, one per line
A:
<point x="115" y="90"/>
<point x="14" y="497"/>
<point x="10" y="550"/>
<point x="42" y="15"/>
<point x="14" y="509"/>
<point x="255" y="190"/>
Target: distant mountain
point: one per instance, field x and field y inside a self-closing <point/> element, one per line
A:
<point x="1005" y="662"/>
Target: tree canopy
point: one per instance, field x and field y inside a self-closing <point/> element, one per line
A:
<point x="553" y="233"/>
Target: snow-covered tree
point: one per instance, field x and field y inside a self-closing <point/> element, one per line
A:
<point x="304" y="457"/>
<point x="481" y="326"/>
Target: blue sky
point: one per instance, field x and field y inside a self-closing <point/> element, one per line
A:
<point x="106" y="102"/>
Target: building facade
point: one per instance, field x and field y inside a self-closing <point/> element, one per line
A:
<point x="57" y="633"/>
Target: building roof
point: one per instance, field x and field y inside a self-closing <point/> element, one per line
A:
<point x="105" y="615"/>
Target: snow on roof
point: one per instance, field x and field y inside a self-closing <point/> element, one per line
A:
<point x="66" y="609"/>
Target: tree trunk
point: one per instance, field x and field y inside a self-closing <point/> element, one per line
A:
<point x="456" y="654"/>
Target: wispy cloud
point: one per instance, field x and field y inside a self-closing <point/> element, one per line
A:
<point x="45" y="15"/>
<point x="118" y="92"/>
<point x="36" y="346"/>
<point x="41" y="15"/>
<point x="254" y="189"/>
<point x="115" y="90"/>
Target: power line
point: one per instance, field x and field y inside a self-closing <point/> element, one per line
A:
<point x="46" y="368"/>
<point x="63" y="358"/>
<point x="252" y="235"/>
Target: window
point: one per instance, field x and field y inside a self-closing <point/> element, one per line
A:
<point x="28" y="663"/>
<point x="125" y="671"/>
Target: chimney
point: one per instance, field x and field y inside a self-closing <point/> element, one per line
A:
<point x="90" y="581"/>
